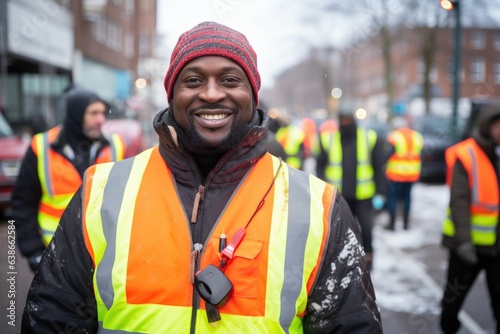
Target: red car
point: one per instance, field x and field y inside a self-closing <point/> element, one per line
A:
<point x="12" y="151"/>
<point x="131" y="132"/>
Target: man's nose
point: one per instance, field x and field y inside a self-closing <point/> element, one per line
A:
<point x="213" y="91"/>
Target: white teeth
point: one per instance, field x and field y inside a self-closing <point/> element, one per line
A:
<point x="214" y="117"/>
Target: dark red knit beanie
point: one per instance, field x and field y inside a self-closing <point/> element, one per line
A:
<point x="213" y="39"/>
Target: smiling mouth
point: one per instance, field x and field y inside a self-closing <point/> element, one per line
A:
<point x="216" y="117"/>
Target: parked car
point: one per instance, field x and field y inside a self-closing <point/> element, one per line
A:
<point x="131" y="132"/>
<point x="436" y="131"/>
<point x="12" y="150"/>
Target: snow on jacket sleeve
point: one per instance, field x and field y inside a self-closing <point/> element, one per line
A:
<point x="61" y="297"/>
<point x="343" y="299"/>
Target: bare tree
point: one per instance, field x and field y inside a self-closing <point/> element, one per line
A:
<point x="385" y="17"/>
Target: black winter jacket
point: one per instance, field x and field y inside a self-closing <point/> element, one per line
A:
<point x="460" y="192"/>
<point x="343" y="300"/>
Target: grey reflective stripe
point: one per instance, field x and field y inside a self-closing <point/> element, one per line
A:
<point x="111" y="331"/>
<point x="112" y="146"/>
<point x="46" y="166"/>
<point x="483" y="228"/>
<point x="476" y="185"/>
<point x="297" y="233"/>
<point x="110" y="209"/>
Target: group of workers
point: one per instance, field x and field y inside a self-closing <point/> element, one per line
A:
<point x="209" y="232"/>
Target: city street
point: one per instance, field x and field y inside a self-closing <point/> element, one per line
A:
<point x="408" y="273"/>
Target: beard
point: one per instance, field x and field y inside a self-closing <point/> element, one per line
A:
<point x="197" y="145"/>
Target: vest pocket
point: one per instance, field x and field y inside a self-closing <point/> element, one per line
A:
<point x="246" y="265"/>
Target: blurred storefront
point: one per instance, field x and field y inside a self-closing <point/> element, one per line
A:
<point x="36" y="51"/>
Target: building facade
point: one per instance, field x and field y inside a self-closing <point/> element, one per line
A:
<point x="47" y="45"/>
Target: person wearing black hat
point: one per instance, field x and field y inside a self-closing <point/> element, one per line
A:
<point x="207" y="232"/>
<point x="53" y="167"/>
<point x="352" y="159"/>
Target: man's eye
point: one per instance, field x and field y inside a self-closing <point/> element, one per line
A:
<point x="231" y="80"/>
<point x="192" y="80"/>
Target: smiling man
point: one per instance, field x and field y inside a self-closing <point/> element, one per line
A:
<point x="206" y="233"/>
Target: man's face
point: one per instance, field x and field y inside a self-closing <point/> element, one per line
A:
<point x="495" y="131"/>
<point x="93" y="119"/>
<point x="212" y="96"/>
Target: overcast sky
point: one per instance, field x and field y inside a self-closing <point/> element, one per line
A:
<point x="273" y="27"/>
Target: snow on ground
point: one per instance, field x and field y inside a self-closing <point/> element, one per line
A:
<point x="400" y="279"/>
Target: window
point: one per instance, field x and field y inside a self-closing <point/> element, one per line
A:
<point x="114" y="36"/>
<point x="129" y="45"/>
<point x="496" y="41"/>
<point x="477" y="70"/>
<point x="496" y="71"/>
<point x="99" y="29"/>
<point x="478" y="40"/>
<point x="143" y="44"/>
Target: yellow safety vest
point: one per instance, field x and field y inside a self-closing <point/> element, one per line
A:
<point x="365" y="142"/>
<point x="59" y="179"/>
<point x="291" y="137"/>
<point x="405" y="164"/>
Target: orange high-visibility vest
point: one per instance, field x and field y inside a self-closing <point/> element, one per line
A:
<point x="138" y="236"/>
<point x="59" y="179"/>
<point x="405" y="164"/>
<point x="485" y="201"/>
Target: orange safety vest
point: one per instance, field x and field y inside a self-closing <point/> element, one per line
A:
<point x="59" y="179"/>
<point x="485" y="200"/>
<point x="405" y="164"/>
<point x="138" y="235"/>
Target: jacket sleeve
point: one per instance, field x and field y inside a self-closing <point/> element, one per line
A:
<point x="61" y="297"/>
<point x="343" y="299"/>
<point x="25" y="202"/>
<point x="460" y="203"/>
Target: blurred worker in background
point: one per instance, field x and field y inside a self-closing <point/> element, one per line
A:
<point x="402" y="169"/>
<point x="292" y="137"/>
<point x="352" y="159"/>
<point x="471" y="230"/>
<point x="311" y="138"/>
<point x="276" y="121"/>
<point x="53" y="167"/>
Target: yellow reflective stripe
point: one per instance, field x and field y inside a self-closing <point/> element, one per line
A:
<point x="60" y="201"/>
<point x="117" y="147"/>
<point x="365" y="187"/>
<point x="277" y="243"/>
<point x="483" y="229"/>
<point x="94" y="226"/>
<point x="333" y="171"/>
<point x="404" y="167"/>
<point x="42" y="147"/>
<point x="48" y="225"/>
<point x="232" y="324"/>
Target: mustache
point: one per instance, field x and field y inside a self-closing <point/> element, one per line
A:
<point x="214" y="107"/>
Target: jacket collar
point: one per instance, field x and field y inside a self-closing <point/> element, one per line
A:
<point x="231" y="167"/>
